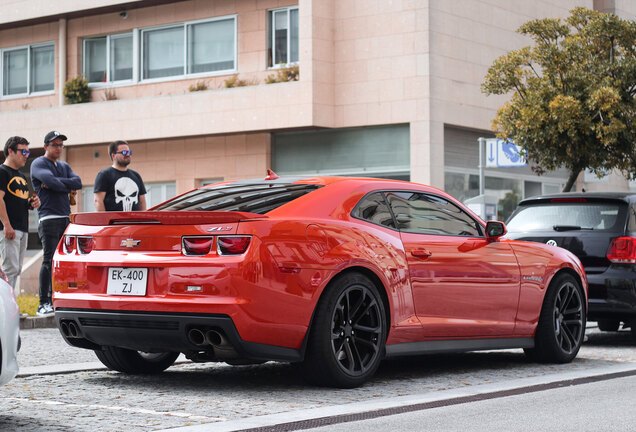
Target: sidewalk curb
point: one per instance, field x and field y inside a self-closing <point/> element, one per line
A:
<point x="285" y="420"/>
<point x="60" y="369"/>
<point x="73" y="367"/>
<point x="29" y="322"/>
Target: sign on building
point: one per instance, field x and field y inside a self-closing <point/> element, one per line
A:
<point x="503" y="154"/>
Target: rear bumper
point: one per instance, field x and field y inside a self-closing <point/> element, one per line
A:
<point x="160" y="332"/>
<point x="612" y="294"/>
<point x="9" y="333"/>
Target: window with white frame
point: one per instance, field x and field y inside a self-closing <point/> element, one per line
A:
<point x="282" y="36"/>
<point x="156" y="193"/>
<point x="108" y="58"/>
<point x="209" y="181"/>
<point x="88" y="200"/>
<point x="29" y="69"/>
<point x="163" y="52"/>
<point x="190" y="48"/>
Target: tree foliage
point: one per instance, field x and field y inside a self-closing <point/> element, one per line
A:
<point x="573" y="92"/>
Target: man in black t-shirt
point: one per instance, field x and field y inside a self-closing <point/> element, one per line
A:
<point x="118" y="188"/>
<point x="15" y="204"/>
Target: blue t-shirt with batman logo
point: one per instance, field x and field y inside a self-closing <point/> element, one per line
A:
<point x="16" y="197"/>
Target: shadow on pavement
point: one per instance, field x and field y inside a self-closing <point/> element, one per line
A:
<point x="271" y="377"/>
<point x="21" y="423"/>
<point x="622" y="338"/>
<point x="276" y="377"/>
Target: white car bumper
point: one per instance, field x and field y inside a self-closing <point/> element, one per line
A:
<point x="9" y="333"/>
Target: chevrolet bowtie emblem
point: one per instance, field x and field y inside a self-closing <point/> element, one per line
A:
<point x="129" y="243"/>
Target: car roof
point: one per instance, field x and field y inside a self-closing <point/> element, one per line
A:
<point x="333" y="180"/>
<point x="321" y="180"/>
<point x="347" y="185"/>
<point x="592" y="196"/>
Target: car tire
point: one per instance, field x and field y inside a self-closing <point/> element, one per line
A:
<point x="608" y="325"/>
<point x="135" y="362"/>
<point x="561" y="327"/>
<point x="346" y="341"/>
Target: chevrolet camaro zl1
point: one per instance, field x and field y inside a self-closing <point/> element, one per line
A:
<point x="332" y="273"/>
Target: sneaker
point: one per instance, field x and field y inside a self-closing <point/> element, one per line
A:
<point x="45" y="310"/>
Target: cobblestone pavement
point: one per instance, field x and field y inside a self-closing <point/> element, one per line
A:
<point x="189" y="394"/>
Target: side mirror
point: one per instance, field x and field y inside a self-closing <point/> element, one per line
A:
<point x="494" y="230"/>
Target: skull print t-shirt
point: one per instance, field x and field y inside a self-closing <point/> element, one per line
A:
<point x="123" y="189"/>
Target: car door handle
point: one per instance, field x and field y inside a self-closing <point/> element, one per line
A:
<point x="421" y="253"/>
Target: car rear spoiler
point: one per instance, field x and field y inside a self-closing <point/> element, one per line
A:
<point x="162" y="217"/>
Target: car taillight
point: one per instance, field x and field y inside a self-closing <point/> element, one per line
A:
<point x="69" y="244"/>
<point x="568" y="200"/>
<point x="196" y="245"/>
<point x="232" y="245"/>
<point x="85" y="244"/>
<point x="622" y="250"/>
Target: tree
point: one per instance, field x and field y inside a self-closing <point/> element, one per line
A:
<point x="572" y="101"/>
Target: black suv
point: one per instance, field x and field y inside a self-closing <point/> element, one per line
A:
<point x="600" y="229"/>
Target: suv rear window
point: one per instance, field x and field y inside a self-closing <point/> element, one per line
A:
<point x="253" y="198"/>
<point x="597" y="216"/>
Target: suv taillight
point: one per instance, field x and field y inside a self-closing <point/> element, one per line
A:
<point x="622" y="250"/>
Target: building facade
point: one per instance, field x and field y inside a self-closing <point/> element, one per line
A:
<point x="384" y="88"/>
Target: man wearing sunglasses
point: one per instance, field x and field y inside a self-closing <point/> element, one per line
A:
<point x="118" y="188"/>
<point x="15" y="203"/>
<point x="53" y="180"/>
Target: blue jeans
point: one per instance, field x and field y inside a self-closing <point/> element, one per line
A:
<point x="50" y="232"/>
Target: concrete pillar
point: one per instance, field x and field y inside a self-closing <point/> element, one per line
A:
<point x="316" y="44"/>
<point x="61" y="44"/>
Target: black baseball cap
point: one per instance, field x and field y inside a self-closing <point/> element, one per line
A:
<point x="52" y="135"/>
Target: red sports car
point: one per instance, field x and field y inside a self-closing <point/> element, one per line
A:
<point x="336" y="273"/>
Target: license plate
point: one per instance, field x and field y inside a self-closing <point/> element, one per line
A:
<point x="127" y="281"/>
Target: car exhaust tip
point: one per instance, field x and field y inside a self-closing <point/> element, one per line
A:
<point x="216" y="339"/>
<point x="223" y="349"/>
<point x="196" y="337"/>
<point x="64" y="329"/>
<point x="73" y="330"/>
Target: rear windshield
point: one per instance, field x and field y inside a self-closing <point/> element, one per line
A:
<point x="254" y="198"/>
<point x="601" y="216"/>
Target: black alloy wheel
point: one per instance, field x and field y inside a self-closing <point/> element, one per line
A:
<point x="568" y="317"/>
<point x="356" y="329"/>
<point x="561" y="327"/>
<point x="347" y="341"/>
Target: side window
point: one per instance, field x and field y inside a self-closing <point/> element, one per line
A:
<point x="429" y="214"/>
<point x="282" y="37"/>
<point x="631" y="224"/>
<point x="373" y="208"/>
<point x="108" y="58"/>
<point x="28" y="70"/>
